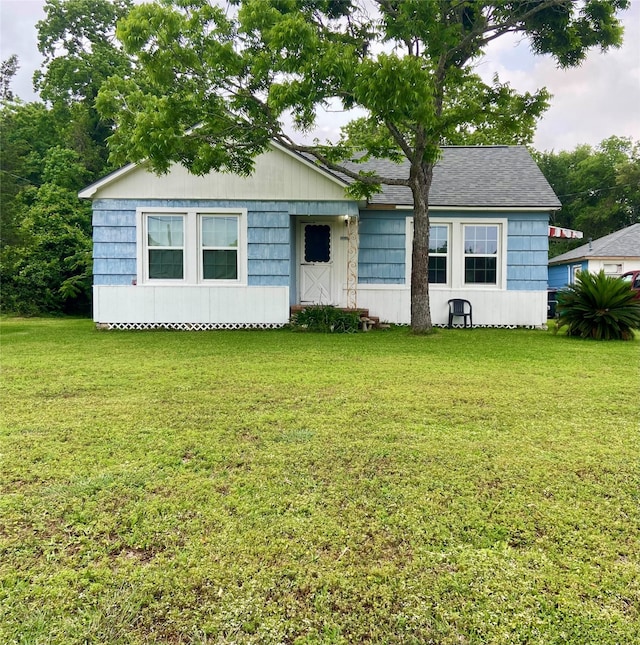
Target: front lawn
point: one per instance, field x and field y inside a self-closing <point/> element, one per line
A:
<point x="274" y="487"/>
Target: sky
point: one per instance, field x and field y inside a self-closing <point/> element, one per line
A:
<point x="599" y="99"/>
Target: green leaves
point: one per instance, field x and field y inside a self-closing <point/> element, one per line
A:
<point x="599" y="307"/>
<point x="397" y="89"/>
<point x="77" y="41"/>
<point x="326" y="319"/>
<point x="567" y="30"/>
<point x="46" y="155"/>
<point x="406" y="67"/>
<point x="476" y="113"/>
<point x="599" y="187"/>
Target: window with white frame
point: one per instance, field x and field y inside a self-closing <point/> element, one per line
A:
<point x="438" y="253"/>
<point x="574" y="271"/>
<point x="165" y="247"/>
<point x="464" y="253"/>
<point x="219" y="239"/>
<point x="192" y="246"/>
<point x="480" y="254"/>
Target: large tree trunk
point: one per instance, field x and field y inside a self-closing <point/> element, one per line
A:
<point x="421" y="176"/>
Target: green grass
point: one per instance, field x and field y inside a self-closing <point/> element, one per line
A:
<point x="273" y="487"/>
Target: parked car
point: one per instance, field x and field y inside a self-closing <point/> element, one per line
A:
<point x="633" y="278"/>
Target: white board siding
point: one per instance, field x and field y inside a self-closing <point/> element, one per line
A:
<point x="626" y="264"/>
<point x="277" y="175"/>
<point x="191" y="304"/>
<point x="492" y="308"/>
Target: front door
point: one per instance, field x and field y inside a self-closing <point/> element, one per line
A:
<point x="317" y="263"/>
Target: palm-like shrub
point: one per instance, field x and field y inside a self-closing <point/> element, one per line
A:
<point x="598" y="306"/>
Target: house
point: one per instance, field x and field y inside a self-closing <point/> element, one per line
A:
<point x="616" y="254"/>
<point x="224" y="251"/>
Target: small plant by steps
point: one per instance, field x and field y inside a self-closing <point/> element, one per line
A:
<point x="327" y="319"/>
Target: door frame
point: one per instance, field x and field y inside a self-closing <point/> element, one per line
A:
<point x="338" y="257"/>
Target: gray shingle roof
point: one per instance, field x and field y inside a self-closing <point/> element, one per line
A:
<point x="621" y="244"/>
<point x="472" y="176"/>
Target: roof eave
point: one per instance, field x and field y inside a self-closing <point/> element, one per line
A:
<point x="92" y="189"/>
<point x="451" y="207"/>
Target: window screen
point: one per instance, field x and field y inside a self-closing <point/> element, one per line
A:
<point x="317" y="243"/>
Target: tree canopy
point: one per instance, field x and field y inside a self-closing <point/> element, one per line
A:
<point x="49" y="151"/>
<point x="215" y="83"/>
<point x="77" y="41"/>
<point x="8" y="69"/>
<point x="599" y="188"/>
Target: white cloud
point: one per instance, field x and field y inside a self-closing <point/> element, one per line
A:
<point x="599" y="99"/>
<point x="18" y="36"/>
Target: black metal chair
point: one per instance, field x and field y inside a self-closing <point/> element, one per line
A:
<point x="460" y="308"/>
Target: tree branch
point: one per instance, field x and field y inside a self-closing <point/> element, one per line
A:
<point x="399" y="139"/>
<point x="370" y="180"/>
<point x="500" y="29"/>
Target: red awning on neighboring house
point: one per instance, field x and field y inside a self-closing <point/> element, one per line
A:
<point x="567" y="233"/>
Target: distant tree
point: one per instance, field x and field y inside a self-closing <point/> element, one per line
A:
<point x="48" y="152"/>
<point x="48" y="268"/>
<point x="77" y="40"/>
<point x="8" y="69"/>
<point x="27" y="131"/>
<point x="599" y="187"/>
<point x="235" y="72"/>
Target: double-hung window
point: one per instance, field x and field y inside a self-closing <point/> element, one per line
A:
<point x="464" y="253"/>
<point x="165" y="247"/>
<point x="481" y="254"/>
<point x="438" y="253"/>
<point x="219" y="236"/>
<point x="192" y="246"/>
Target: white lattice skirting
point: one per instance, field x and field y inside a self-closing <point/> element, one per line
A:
<point x="186" y="326"/>
<point x="218" y="326"/>
<point x="454" y="326"/>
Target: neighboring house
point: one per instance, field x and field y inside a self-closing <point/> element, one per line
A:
<point x="224" y="251"/>
<point x="616" y="254"/>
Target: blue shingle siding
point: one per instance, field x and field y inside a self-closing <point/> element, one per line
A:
<point x="293" y="282"/>
<point x="114" y="236"/>
<point x="382" y="252"/>
<point x="560" y="274"/>
<point x="527" y="251"/>
<point x="270" y="267"/>
<point x="114" y="248"/>
<point x="270" y="235"/>
<point x="323" y="208"/>
<point x="114" y="271"/>
<point x="268" y="252"/>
